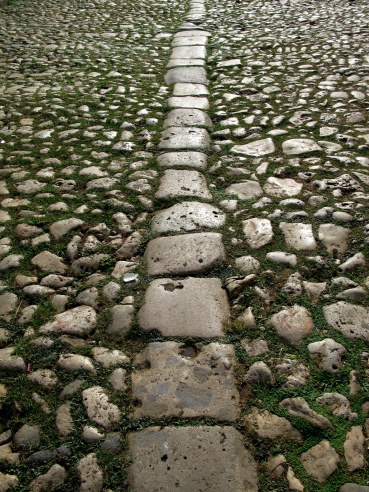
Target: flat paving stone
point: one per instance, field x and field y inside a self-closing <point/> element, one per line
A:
<point x="196" y="160"/>
<point x="182" y="183"/>
<point x="184" y="254"/>
<point x="184" y="138"/>
<point x="187" y="216"/>
<point x="196" y="75"/>
<point x="255" y="149"/>
<point x="189" y="102"/>
<point x="350" y="319"/>
<point x="190" y="90"/>
<point x="245" y="190"/>
<point x="258" y="232"/>
<point x="191" y="459"/>
<point x="298" y="235"/>
<point x="187" y="117"/>
<point x="185" y="62"/>
<point x="191" y="33"/>
<point x="296" y="146"/>
<point x="186" y="381"/>
<point x="189" y="52"/>
<point x="190" y="41"/>
<point x="194" y="307"/>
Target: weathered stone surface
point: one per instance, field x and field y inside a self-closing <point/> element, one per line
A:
<point x="64" y="420"/>
<point x="8" y="304"/>
<point x="245" y="190"/>
<point x="354" y="448"/>
<point x="298" y="235"/>
<point x="353" y="487"/>
<point x="255" y="149"/>
<point x="7" y="481"/>
<point x="186" y="381"/>
<point x="189" y="102"/>
<point x="50" y="481"/>
<point x="196" y="307"/>
<point x="182" y="183"/>
<point x="282" y="188"/>
<point x="339" y="404"/>
<point x="122" y="318"/>
<point x="187" y="117"/>
<point x="79" y="321"/>
<point x="184" y="138"/>
<point x="269" y="426"/>
<point x="189" y="52"/>
<point x="296" y="146"/>
<point x="184" y="254"/>
<point x="193" y="159"/>
<point x="258" y="232"/>
<point x="293" y="324"/>
<point x="99" y="409"/>
<point x="109" y="358"/>
<point x="349" y="319"/>
<point x="190" y="90"/>
<point x="48" y="262"/>
<point x="335" y="238"/>
<point x="187" y="216"/>
<point x="320" y="461"/>
<point x="28" y="436"/>
<point x="62" y="227"/>
<point x="90" y="474"/>
<point x="298" y="407"/>
<point x="11" y="362"/>
<point x="327" y="354"/>
<point x="191" y="458"/>
<point x="75" y="363"/>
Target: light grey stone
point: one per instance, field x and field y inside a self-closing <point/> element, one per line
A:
<point x="79" y="321"/>
<point x="122" y="318"/>
<point x="266" y="425"/>
<point x="247" y="264"/>
<point x="190" y="90"/>
<point x="258" y="232"/>
<point x="8" y="304"/>
<point x="320" y="461"/>
<point x="188" y="102"/>
<point x="327" y="354"/>
<point x="208" y="388"/>
<point x="176" y="183"/>
<point x="354" y="448"/>
<point x="190" y="458"/>
<point x="296" y="146"/>
<point x="282" y="188"/>
<point x="28" y="436"/>
<point x="184" y="138"/>
<point x="11" y="362"/>
<point x="298" y="407"/>
<point x="282" y="258"/>
<point x="189" y="52"/>
<point x="62" y="227"/>
<point x="48" y="262"/>
<point x="298" y="235"/>
<point x="99" y="409"/>
<point x="187" y="117"/>
<point x="245" y="190"/>
<point x="49" y="481"/>
<point x="293" y="324"/>
<point x="196" y="160"/>
<point x="109" y="358"/>
<point x="75" y="363"/>
<point x="257" y="148"/>
<point x="195" y="307"/>
<point x="90" y="474"/>
<point x="349" y="319"/>
<point x="184" y="254"/>
<point x="194" y="75"/>
<point x="335" y="238"/>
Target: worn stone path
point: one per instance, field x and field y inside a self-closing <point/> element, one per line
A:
<point x="184" y="246"/>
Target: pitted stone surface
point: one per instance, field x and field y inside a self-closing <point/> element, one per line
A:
<point x="207" y="459"/>
<point x="255" y="149"/>
<point x="181" y="89"/>
<point x="195" y="307"/>
<point x="189" y="51"/>
<point x="298" y="236"/>
<point x="245" y="190"/>
<point x="184" y="138"/>
<point x="182" y="184"/>
<point x="258" y="232"/>
<point x="187" y="117"/>
<point x="351" y="320"/>
<point x="186" y="381"/>
<point x="184" y="254"/>
<point x="187" y="216"/>
<point x="189" y="102"/>
<point x="196" y="160"/>
<point x="195" y="75"/>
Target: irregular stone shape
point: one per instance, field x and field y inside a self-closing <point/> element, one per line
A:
<point x="64" y="420"/>
<point x="10" y="261"/>
<point x="75" y="362"/>
<point x="62" y="227"/>
<point x="30" y="186"/>
<point x="190" y="458"/>
<point x="49" y="481"/>
<point x="196" y="160"/>
<point x="7" y="482"/>
<point x="258" y="232"/>
<point x="90" y="474"/>
<point x="296" y="146"/>
<point x="339" y="404"/>
<point x="298" y="235"/>
<point x="269" y="426"/>
<point x="189" y="52"/>
<point x="259" y="373"/>
<point x="255" y="149"/>
<point x="187" y="117"/>
<point x="9" y="361"/>
<point x="247" y="264"/>
<point x="189" y="102"/>
<point x="118" y="379"/>
<point x="276" y="466"/>
<point x="282" y="188"/>
<point x="186" y="381"/>
<point x="295" y="372"/>
<point x="245" y="190"/>
<point x="187" y="216"/>
<point x="44" y="377"/>
<point x="253" y="348"/>
<point x="8" y="304"/>
<point x="48" y="262"/>
<point x="353" y="487"/>
<point x="356" y="261"/>
<point x="195" y="307"/>
<point x="6" y="454"/>
<point x="335" y="238"/>
<point x="122" y="318"/>
<point x="99" y="409"/>
<point x="354" y="448"/>
<point x="79" y="321"/>
<point x="320" y="461"/>
<point x="109" y="358"/>
<point x="293" y="324"/>
<point x="184" y="254"/>
<point x="351" y="320"/>
<point x="182" y="183"/>
<point x="298" y="407"/>
<point x="184" y="138"/>
<point x="28" y="436"/>
<point x="327" y="354"/>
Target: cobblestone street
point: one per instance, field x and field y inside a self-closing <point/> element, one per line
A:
<point x="184" y="242"/>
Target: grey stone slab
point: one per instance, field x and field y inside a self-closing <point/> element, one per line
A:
<point x="185" y="62"/>
<point x="189" y="52"/>
<point x="188" y="102"/>
<point x="184" y="254"/>
<point x="186" y="381"/>
<point x="190" y="41"/>
<point x="191" y="459"/>
<point x="187" y="216"/>
<point x="190" y="90"/>
<point x="195" y="75"/>
<point x="245" y="190"/>
<point x="196" y="160"/>
<point x="193" y="307"/>
<point x="184" y="138"/>
<point x="187" y="117"/>
<point x="182" y="183"/>
<point x="188" y="32"/>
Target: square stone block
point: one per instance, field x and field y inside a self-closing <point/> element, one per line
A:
<point x="182" y="183"/>
<point x="197" y="160"/>
<point x="184" y="138"/>
<point x="187" y="117"/>
<point x="195" y="75"/>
